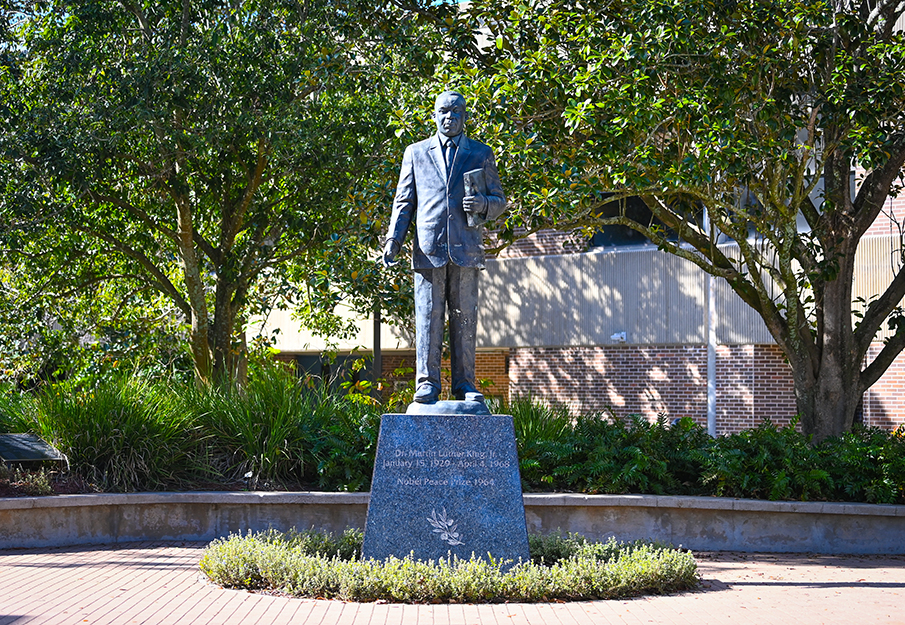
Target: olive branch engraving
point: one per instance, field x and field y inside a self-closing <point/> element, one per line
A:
<point x="445" y="527"/>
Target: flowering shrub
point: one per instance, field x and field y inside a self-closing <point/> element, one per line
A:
<point x="313" y="565"/>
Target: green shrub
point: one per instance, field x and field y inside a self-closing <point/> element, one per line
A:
<point x="766" y="463"/>
<point x="345" y="443"/>
<point x="129" y="434"/>
<point x="264" y="432"/>
<point x="867" y="464"/>
<point x="31" y="483"/>
<point x="551" y="548"/>
<point x="603" y="454"/>
<point x="15" y="411"/>
<point x="124" y="435"/>
<point x="591" y="571"/>
<point x="540" y="430"/>
<point x="635" y="455"/>
<point x="346" y="546"/>
<point x="281" y="430"/>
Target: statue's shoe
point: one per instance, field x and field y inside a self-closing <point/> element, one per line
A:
<point x="426" y="394"/>
<point x="468" y="392"/>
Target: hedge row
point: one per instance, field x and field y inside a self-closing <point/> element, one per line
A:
<point x="279" y="432"/>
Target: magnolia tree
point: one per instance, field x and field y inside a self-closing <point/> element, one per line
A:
<point x="198" y="161"/>
<point x="730" y="120"/>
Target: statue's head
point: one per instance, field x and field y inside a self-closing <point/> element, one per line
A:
<point x="450" y="113"/>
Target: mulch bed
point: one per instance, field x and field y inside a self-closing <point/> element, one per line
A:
<point x="69" y="485"/>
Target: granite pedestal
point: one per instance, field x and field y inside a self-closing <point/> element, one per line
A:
<point x="446" y="485"/>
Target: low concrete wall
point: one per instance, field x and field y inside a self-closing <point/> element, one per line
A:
<point x="699" y="523"/>
<point x="111" y="518"/>
<point x="718" y="524"/>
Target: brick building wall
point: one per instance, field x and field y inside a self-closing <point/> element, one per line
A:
<point x="543" y="243"/>
<point x="884" y="403"/>
<point x="891" y="218"/>
<point x="490" y="366"/>
<point x="753" y="381"/>
<point x="772" y="386"/>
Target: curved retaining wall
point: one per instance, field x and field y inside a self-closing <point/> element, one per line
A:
<point x="699" y="523"/>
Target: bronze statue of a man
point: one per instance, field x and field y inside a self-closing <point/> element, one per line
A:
<point x="450" y="186"/>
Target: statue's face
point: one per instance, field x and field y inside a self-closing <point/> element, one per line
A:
<point x="450" y="114"/>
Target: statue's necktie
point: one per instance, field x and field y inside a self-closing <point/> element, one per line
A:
<point x="450" y="155"/>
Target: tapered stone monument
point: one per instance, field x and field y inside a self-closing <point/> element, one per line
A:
<point x="446" y="485"/>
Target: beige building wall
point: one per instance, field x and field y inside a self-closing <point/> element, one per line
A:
<point x="567" y="300"/>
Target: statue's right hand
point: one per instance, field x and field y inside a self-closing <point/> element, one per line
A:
<point x="390" y="249"/>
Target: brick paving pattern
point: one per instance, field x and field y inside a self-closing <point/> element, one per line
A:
<point x="160" y="583"/>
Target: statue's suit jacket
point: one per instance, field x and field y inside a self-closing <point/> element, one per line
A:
<point x="442" y="232"/>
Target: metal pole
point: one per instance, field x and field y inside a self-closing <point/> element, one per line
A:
<point x="711" y="341"/>
<point x="377" y="365"/>
<point x="711" y="355"/>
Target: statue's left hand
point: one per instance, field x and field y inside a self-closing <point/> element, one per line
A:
<point x="475" y="204"/>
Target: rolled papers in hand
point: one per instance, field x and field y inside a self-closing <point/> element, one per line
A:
<point x="474" y="185"/>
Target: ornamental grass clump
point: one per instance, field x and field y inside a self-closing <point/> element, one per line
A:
<point x="124" y="435"/>
<point x="261" y="432"/>
<point x="306" y="565"/>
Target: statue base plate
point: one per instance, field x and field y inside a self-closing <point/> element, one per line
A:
<point x="449" y="407"/>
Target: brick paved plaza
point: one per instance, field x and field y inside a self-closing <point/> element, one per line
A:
<point x="160" y="583"/>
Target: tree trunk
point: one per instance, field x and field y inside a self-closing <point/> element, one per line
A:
<point x="828" y="400"/>
<point x="240" y="374"/>
<point x="201" y="353"/>
<point x="200" y="338"/>
<point x="228" y="337"/>
<point x="222" y="333"/>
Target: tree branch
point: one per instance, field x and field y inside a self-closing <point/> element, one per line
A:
<point x="233" y="225"/>
<point x="875" y="189"/>
<point x="884" y="359"/>
<point x="186" y="23"/>
<point x="887" y="12"/>
<point x="160" y="279"/>
<point x="878" y="311"/>
<point x="104" y="278"/>
<point x="140" y="16"/>
<point x="138" y="213"/>
<point x="253" y="263"/>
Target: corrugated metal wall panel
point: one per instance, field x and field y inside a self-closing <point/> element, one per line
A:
<point x="583" y="299"/>
<point x="656" y="298"/>
<point x="737" y="323"/>
<point x="607" y="302"/>
<point x="648" y="275"/>
<point x="687" y="303"/>
<point x="566" y="326"/>
<point x="876" y="264"/>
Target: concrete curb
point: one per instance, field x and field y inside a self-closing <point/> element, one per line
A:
<point x="712" y="503"/>
<point x="699" y="523"/>
<point x="210" y="498"/>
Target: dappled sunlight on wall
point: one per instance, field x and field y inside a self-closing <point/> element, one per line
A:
<point x="884" y="403"/>
<point x="584" y="299"/>
<point x="753" y="382"/>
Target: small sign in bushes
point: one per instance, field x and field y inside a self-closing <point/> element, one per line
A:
<point x="28" y="451"/>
